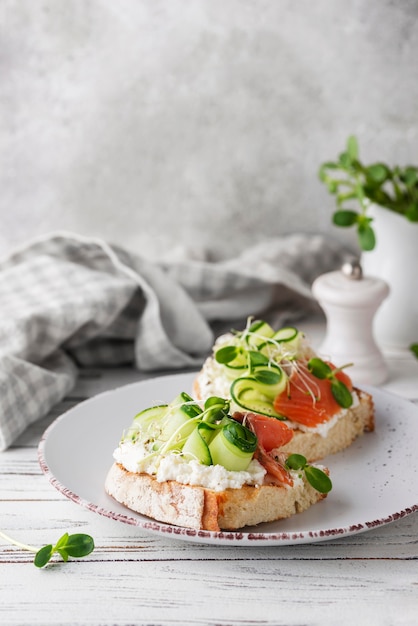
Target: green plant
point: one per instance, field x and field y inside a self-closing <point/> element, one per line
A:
<point x="77" y="546"/>
<point x="395" y="189"/>
<point x="414" y="349"/>
<point x="315" y="476"/>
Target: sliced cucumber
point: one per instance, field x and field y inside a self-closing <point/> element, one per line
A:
<point x="287" y="333"/>
<point x="257" y="333"/>
<point x="247" y="393"/>
<point x="290" y="338"/>
<point x="145" y="418"/>
<point x="215" y="409"/>
<point x="233" y="359"/>
<point x="196" y="445"/>
<point x="186" y="404"/>
<point x="180" y="417"/>
<point x="271" y="380"/>
<point x="233" y="446"/>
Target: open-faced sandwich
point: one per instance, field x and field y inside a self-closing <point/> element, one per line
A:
<point x="201" y="467"/>
<point x="278" y="374"/>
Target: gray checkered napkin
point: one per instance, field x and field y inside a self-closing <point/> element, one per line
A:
<point x="68" y="302"/>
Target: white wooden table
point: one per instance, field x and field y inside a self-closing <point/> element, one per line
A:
<point x="137" y="578"/>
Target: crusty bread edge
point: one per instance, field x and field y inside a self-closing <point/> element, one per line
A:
<point x="341" y="435"/>
<point x="199" y="508"/>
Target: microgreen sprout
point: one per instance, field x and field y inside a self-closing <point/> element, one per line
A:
<point x="258" y="344"/>
<point x="339" y="390"/>
<point x="318" y="479"/>
<point x="77" y="545"/>
<point x="227" y="354"/>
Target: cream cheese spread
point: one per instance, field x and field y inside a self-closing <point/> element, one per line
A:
<point x="135" y="457"/>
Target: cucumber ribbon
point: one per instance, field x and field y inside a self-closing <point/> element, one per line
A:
<point x="209" y="435"/>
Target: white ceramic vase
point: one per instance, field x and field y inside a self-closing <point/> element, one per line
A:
<point x="395" y="260"/>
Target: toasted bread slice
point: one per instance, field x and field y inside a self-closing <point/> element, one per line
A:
<point x="314" y="444"/>
<point x="196" y="507"/>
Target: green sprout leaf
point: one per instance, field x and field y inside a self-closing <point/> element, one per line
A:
<point x="319" y="368"/>
<point x="339" y="390"/>
<point x="296" y="462"/>
<point x="43" y="556"/>
<point x="341" y="393"/>
<point x="318" y="479"/>
<point x="77" y="545"/>
<point x="227" y="354"/>
<point x="267" y="377"/>
<point x="257" y="358"/>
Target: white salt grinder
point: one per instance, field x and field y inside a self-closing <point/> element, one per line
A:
<point x="350" y="301"/>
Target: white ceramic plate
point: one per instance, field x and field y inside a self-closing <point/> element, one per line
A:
<point x="375" y="481"/>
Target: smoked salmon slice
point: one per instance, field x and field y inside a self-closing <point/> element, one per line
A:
<point x="271" y="434"/>
<point x="308" y="400"/>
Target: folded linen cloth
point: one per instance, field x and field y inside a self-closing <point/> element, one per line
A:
<point x="68" y="301"/>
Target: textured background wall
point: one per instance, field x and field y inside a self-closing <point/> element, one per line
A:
<point x="200" y="123"/>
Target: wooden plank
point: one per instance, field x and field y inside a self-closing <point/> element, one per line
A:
<point x="211" y="592"/>
<point x="38" y="523"/>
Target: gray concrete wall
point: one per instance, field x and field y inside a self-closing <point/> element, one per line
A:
<point x="195" y="123"/>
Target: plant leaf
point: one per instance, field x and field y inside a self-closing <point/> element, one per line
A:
<point x="378" y="172"/>
<point x="366" y="237"/>
<point x="296" y="461"/>
<point x="329" y="165"/>
<point x="319" y="368"/>
<point x="79" y="545"/>
<point x="409" y="176"/>
<point x="394" y="188"/>
<point x="344" y="196"/>
<point x="352" y="147"/>
<point x="43" y="556"/>
<point x="345" y="160"/>
<point x="345" y="217"/>
<point x="213" y="401"/>
<point x="414" y="349"/>
<point x="226" y="354"/>
<point x="257" y="358"/>
<point x="332" y="185"/>
<point x="63" y="553"/>
<point x="267" y="377"/>
<point x="412" y="212"/>
<point x="62" y="541"/>
<point x="341" y="393"/>
<point x="318" y="479"/>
